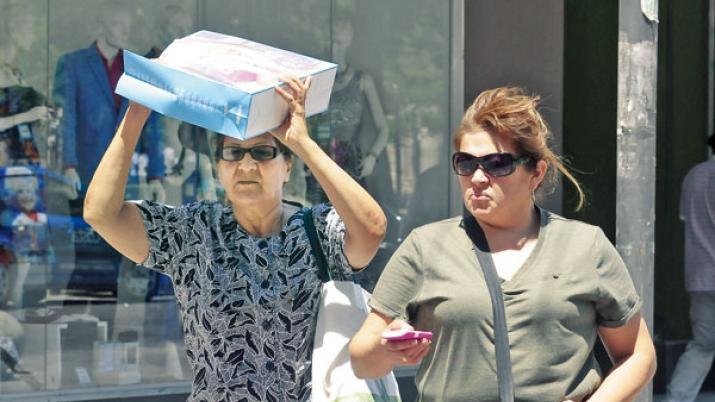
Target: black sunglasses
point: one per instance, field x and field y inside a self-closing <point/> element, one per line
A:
<point x="259" y="153"/>
<point x="497" y="164"/>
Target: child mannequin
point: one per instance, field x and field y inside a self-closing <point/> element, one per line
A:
<point x="30" y="232"/>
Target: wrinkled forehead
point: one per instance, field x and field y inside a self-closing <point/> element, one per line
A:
<point x="264" y="139"/>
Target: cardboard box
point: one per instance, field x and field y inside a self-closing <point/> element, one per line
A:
<point x="223" y="83"/>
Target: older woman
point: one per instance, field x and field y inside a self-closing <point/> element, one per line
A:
<point x="244" y="277"/>
<point x="562" y="281"/>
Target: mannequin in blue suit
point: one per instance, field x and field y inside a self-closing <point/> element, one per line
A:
<point x="91" y="114"/>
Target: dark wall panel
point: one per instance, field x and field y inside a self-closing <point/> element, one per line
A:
<point x="590" y="93"/>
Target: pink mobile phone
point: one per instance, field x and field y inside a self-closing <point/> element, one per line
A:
<point x="405" y="335"/>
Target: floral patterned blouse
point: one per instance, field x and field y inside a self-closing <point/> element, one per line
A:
<point x="248" y="304"/>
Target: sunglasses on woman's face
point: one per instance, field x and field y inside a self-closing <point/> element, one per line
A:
<point x="259" y="153"/>
<point x="496" y="164"/>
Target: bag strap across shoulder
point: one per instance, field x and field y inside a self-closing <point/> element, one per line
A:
<point x="501" y="335"/>
<point x="309" y="225"/>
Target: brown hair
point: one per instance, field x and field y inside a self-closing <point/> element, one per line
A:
<point x="510" y="112"/>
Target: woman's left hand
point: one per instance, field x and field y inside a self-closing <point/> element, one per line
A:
<point x="294" y="129"/>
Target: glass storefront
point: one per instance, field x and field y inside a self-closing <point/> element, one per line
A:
<point x="79" y="321"/>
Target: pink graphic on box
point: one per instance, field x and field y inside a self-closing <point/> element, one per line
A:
<point x="236" y="62"/>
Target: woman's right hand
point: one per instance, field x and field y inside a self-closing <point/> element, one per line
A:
<point x="408" y="352"/>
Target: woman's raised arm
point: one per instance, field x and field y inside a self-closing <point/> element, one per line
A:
<point x="365" y="222"/>
<point x="116" y="220"/>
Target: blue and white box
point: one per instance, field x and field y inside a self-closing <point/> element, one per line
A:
<point x="224" y="83"/>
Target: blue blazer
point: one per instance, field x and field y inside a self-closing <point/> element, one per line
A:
<point x="90" y="118"/>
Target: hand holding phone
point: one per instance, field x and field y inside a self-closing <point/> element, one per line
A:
<point x="406" y="335"/>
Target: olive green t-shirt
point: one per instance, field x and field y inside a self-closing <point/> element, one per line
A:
<point x="572" y="282"/>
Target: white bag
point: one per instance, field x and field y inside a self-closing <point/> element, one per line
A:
<point x="343" y="308"/>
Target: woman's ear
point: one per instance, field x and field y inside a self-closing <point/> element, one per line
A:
<point x="289" y="166"/>
<point x="538" y="175"/>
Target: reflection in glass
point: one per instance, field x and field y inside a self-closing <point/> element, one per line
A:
<point x="22" y="107"/>
<point x="355" y="102"/>
<point x="387" y="123"/>
<point x="84" y="85"/>
<point x="104" y="321"/>
<point x="25" y="249"/>
<point x="25" y="223"/>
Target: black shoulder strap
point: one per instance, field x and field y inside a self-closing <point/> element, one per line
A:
<point x="501" y="341"/>
<point x="309" y="225"/>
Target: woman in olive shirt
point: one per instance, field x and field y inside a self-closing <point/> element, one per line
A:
<point x="562" y="281"/>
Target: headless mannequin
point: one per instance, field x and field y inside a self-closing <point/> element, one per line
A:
<point x="343" y="37"/>
<point x="113" y="38"/>
<point x="356" y="150"/>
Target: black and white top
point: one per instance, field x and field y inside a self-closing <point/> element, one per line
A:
<point x="248" y="304"/>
